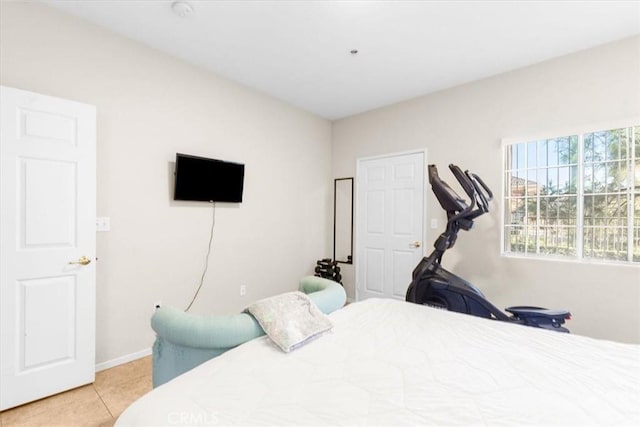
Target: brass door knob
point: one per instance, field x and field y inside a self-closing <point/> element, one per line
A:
<point x="415" y="244"/>
<point x="83" y="260"/>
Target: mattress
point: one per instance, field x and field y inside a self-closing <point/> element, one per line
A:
<point x="392" y="363"/>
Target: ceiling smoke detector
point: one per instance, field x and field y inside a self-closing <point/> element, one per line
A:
<point x="182" y="8"/>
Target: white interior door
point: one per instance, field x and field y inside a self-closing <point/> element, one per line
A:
<point x="47" y="304"/>
<point x="390" y="223"/>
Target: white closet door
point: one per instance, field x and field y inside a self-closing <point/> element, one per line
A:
<point x="390" y="223"/>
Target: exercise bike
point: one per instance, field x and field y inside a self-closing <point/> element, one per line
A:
<point x="434" y="286"/>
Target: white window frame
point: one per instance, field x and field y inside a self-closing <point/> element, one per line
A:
<point x="565" y="132"/>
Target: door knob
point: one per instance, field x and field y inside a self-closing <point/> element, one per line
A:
<point x="415" y="244"/>
<point x="83" y="260"/>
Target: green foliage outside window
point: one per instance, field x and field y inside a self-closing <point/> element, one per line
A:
<point x="575" y="196"/>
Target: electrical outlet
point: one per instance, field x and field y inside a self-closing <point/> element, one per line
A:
<point x="243" y="290"/>
<point x="434" y="223"/>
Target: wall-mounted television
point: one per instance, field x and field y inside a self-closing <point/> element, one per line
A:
<point x="208" y="180"/>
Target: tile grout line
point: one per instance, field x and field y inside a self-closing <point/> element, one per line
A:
<point x="101" y="400"/>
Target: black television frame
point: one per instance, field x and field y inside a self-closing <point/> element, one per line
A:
<point x="189" y="180"/>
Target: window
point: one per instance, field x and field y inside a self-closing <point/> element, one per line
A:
<point x="575" y="196"/>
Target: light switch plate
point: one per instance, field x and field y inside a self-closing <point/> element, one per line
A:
<point x="103" y="223"/>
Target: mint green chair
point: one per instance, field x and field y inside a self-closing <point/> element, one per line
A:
<point x="184" y="340"/>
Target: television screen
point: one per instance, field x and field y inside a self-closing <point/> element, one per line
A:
<point x="208" y="180"/>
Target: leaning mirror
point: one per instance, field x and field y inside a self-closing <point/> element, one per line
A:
<point x="343" y="220"/>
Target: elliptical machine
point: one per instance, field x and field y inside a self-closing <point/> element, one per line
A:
<point x="434" y="286"/>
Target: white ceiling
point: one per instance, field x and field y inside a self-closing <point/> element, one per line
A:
<point x="299" y="51"/>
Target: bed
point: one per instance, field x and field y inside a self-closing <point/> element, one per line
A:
<point x="389" y="362"/>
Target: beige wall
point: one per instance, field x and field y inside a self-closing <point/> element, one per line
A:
<point x="149" y="107"/>
<point x="465" y="125"/>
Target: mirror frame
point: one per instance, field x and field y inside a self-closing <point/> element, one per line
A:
<point x="349" y="259"/>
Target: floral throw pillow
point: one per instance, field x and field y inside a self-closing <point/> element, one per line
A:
<point x="291" y="320"/>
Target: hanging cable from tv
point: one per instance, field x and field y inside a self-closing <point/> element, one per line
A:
<point x="206" y="263"/>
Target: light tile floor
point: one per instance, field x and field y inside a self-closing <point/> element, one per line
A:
<point x="97" y="404"/>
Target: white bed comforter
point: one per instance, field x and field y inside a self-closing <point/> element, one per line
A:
<point x="392" y="363"/>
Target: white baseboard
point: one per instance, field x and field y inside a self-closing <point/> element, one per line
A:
<point x="122" y="359"/>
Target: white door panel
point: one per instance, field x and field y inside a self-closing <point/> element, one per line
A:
<point x="403" y="261"/>
<point x="49" y="187"/>
<point x="47" y="305"/>
<point x="374" y="271"/>
<point x="390" y="223"/>
<point x="57" y="342"/>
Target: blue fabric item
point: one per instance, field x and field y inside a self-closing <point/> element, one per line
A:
<point x="184" y="340"/>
